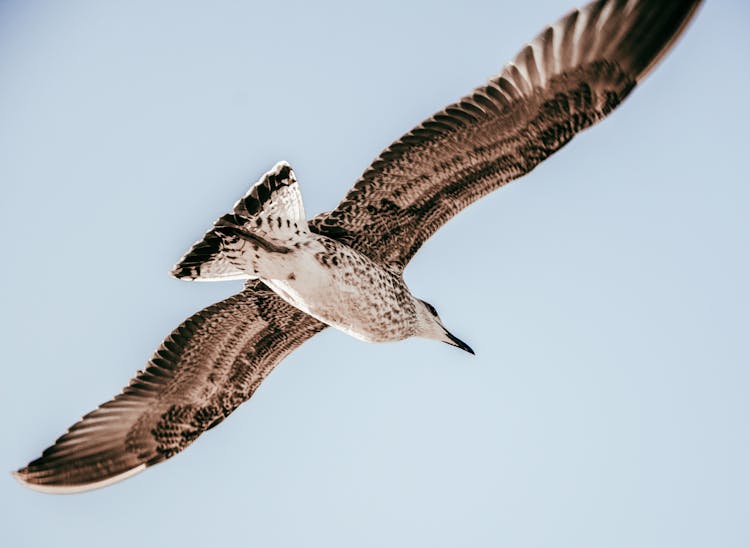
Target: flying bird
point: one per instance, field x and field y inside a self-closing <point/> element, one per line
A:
<point x="344" y="268"/>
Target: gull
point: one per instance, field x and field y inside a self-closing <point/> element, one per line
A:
<point x="344" y="268"/>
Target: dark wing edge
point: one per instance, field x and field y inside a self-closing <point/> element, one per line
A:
<point x="204" y="370"/>
<point x="571" y="76"/>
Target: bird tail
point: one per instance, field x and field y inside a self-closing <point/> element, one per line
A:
<point x="270" y="217"/>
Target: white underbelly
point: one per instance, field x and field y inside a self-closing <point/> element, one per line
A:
<point x="327" y="304"/>
<point x="345" y="302"/>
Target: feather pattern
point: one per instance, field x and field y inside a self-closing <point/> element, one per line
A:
<point x="571" y="76"/>
<point x="204" y="369"/>
<point x="272" y="208"/>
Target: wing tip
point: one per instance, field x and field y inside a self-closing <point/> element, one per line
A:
<point x="693" y="7"/>
<point x="27" y="478"/>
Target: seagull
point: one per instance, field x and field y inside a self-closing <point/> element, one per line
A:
<point x="344" y="268"/>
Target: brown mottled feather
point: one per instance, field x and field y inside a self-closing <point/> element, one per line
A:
<point x="208" y="366"/>
<point x="571" y="76"/>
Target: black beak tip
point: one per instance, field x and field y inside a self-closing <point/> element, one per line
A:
<point x="458" y="343"/>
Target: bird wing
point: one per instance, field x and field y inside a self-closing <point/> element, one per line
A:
<point x="203" y="370"/>
<point x="572" y="75"/>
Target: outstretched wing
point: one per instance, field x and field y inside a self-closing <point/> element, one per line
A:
<point x="572" y="75"/>
<point x="208" y="366"/>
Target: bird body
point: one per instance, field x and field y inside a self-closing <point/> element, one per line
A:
<point x="344" y="268"/>
<point x="266" y="237"/>
<point x="345" y="289"/>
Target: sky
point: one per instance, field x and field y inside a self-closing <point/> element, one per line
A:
<point x="606" y="294"/>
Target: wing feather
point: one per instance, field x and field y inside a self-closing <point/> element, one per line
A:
<point x="571" y="76"/>
<point x="203" y="370"/>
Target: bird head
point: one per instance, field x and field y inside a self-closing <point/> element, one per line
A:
<point x="430" y="326"/>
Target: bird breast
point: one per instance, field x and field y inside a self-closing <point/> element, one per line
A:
<point x="346" y="290"/>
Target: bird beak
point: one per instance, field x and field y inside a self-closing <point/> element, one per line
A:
<point x="458" y="343"/>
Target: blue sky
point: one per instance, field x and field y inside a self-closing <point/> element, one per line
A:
<point x="606" y="294"/>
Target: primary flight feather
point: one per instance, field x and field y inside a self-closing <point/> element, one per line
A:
<point x="344" y="267"/>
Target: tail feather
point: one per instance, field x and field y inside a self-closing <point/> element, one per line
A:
<point x="270" y="217"/>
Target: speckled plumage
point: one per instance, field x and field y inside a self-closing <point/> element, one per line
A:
<point x="203" y="370"/>
<point x="345" y="266"/>
<point x="347" y="290"/>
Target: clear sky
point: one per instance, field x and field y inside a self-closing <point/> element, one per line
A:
<point x="606" y="294"/>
